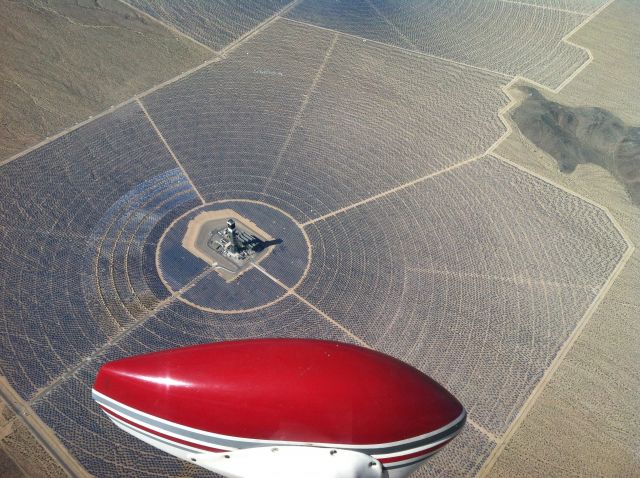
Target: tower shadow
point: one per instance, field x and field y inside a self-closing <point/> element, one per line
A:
<point x="262" y="245"/>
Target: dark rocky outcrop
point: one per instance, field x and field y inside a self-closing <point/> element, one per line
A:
<point x="580" y="135"/>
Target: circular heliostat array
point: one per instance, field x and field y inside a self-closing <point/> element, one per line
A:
<point x="367" y="169"/>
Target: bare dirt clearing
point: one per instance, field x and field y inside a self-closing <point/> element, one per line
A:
<point x="55" y="70"/>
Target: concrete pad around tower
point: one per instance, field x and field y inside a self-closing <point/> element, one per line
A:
<point x="199" y="262"/>
<point x="205" y="233"/>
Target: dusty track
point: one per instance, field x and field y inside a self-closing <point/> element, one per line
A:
<point x="42" y="433"/>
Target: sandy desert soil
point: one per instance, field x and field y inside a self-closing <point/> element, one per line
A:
<point x="610" y="81"/>
<point x="27" y="456"/>
<point x="590" y="406"/>
<point x="7" y="465"/>
<point x="63" y="61"/>
<point x="20" y="454"/>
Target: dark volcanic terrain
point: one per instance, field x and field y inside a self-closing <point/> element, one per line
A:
<point x="581" y="135"/>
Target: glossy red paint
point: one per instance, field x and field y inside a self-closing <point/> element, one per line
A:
<point x="283" y="389"/>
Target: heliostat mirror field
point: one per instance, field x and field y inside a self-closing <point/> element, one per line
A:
<point x="359" y="136"/>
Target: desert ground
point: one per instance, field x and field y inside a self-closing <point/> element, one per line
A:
<point x="453" y="183"/>
<point x="63" y="62"/>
